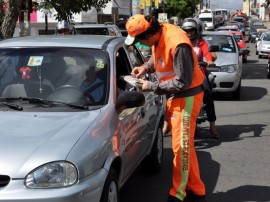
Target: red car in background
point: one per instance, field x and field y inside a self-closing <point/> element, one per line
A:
<point x="240" y="39"/>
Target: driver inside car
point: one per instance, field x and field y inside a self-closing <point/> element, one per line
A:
<point x="92" y="86"/>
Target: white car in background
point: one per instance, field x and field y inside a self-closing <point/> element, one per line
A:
<point x="228" y="69"/>
<point x="263" y="45"/>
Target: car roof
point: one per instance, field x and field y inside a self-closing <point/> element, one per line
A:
<point x="94" y="25"/>
<point x="226" y="33"/>
<point x="75" y="41"/>
<point x="239" y="17"/>
<point x="235" y="32"/>
<point x="228" y="26"/>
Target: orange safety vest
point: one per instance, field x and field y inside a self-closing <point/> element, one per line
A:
<point x="163" y="55"/>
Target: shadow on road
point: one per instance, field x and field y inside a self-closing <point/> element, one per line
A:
<point x="228" y="133"/>
<point x="248" y="93"/>
<point x="243" y="194"/>
<point x="146" y="185"/>
<point x="159" y="184"/>
<point x="254" y="71"/>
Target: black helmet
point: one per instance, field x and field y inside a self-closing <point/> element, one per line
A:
<point x="200" y="26"/>
<point x="190" y="24"/>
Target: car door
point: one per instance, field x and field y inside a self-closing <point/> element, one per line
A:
<point x="153" y="102"/>
<point x="138" y="123"/>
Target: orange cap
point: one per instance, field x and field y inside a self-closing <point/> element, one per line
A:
<point x="136" y="25"/>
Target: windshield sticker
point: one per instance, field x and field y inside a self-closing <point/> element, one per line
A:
<point x="100" y="64"/>
<point x="35" y="61"/>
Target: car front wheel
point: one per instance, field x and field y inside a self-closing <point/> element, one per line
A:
<point x="110" y="191"/>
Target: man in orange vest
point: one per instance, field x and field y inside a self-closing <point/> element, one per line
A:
<point x="180" y="79"/>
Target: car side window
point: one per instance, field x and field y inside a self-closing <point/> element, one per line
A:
<point x="123" y="68"/>
<point x="135" y="56"/>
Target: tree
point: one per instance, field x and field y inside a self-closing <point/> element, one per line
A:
<point x="2" y="15"/>
<point x="181" y="8"/>
<point x="11" y="14"/>
<point x="64" y="8"/>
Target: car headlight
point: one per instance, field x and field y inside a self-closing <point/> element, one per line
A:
<point x="229" y="68"/>
<point x="52" y="175"/>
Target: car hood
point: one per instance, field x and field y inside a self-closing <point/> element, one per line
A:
<point x="226" y="58"/>
<point x="265" y="42"/>
<point x="28" y="140"/>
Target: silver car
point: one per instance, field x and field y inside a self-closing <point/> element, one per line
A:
<point x="72" y="129"/>
<point x="97" y="29"/>
<point x="228" y="69"/>
<point x="263" y="45"/>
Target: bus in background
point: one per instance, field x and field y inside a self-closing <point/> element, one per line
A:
<point x="223" y="12"/>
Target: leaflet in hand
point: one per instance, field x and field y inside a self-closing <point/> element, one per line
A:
<point x="132" y="80"/>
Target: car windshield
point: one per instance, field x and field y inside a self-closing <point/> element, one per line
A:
<point x="225" y="42"/>
<point x="92" y="31"/>
<point x="266" y="37"/>
<point x="69" y="75"/>
<point x="205" y="20"/>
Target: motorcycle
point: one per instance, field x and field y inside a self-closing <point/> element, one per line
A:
<point x="202" y="117"/>
<point x="244" y="54"/>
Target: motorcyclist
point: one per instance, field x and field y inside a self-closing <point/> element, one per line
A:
<point x="194" y="28"/>
<point x="64" y="27"/>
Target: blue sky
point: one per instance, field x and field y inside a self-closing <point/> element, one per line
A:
<point x="231" y="5"/>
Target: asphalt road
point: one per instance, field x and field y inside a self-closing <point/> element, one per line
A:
<point x="235" y="169"/>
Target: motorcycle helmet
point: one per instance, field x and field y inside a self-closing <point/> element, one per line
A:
<point x="200" y="26"/>
<point x="190" y="24"/>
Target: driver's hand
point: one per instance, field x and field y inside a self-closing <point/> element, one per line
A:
<point x="211" y="64"/>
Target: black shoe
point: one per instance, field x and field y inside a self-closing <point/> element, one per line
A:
<point x="216" y="136"/>
<point x="194" y="198"/>
<point x="173" y="199"/>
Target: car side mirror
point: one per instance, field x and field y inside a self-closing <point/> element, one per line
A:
<point x="129" y="99"/>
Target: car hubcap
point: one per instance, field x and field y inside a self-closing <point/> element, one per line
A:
<point x="112" y="193"/>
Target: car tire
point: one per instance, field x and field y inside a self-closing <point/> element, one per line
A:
<point x="257" y="52"/>
<point x="244" y="60"/>
<point x="110" y="192"/>
<point x="236" y="94"/>
<point x="268" y="69"/>
<point x="259" y="56"/>
<point x="153" y="162"/>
